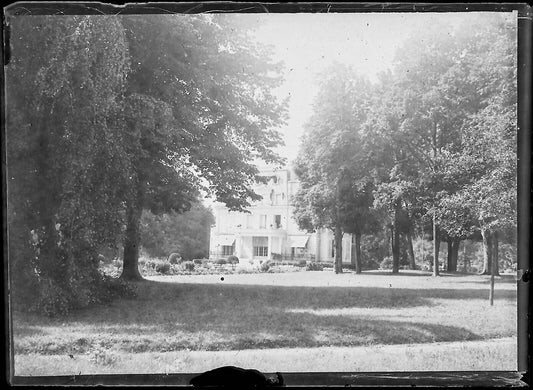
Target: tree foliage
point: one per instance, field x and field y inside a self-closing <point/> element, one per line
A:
<point x="333" y="194"/>
<point x="201" y="111"/>
<point x="64" y="88"/>
<point x="186" y="233"/>
<point x="109" y="116"/>
<point x="434" y="140"/>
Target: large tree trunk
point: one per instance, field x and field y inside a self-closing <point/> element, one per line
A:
<point x="130" y="270"/>
<point x="357" y="237"/>
<point x="465" y="259"/>
<point x="395" y="250"/>
<point x="436" y="247"/>
<point x="412" y="262"/>
<point x="455" y="254"/>
<point x="487" y="251"/>
<point x="338" y="249"/>
<point x="495" y="254"/>
<point x="449" y="258"/>
<point x="396" y="240"/>
<point x="353" y="255"/>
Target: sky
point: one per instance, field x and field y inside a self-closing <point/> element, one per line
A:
<point x="307" y="43"/>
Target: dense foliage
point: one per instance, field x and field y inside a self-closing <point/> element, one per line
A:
<point x="427" y="149"/>
<point x="110" y="116"/>
<point x="170" y="234"/>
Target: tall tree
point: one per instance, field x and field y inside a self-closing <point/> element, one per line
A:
<point x="358" y="215"/>
<point x="388" y="160"/>
<point x="329" y="154"/>
<point x="65" y="160"/>
<point x="200" y="110"/>
<point x="488" y="147"/>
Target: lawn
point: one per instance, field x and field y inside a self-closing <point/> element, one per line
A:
<point x="184" y="314"/>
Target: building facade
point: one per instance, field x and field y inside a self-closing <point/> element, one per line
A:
<point x="268" y="230"/>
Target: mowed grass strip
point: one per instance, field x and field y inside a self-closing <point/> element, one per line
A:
<point x="496" y="355"/>
<point x="171" y="316"/>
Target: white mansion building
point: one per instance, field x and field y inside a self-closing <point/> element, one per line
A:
<point x="269" y="230"/>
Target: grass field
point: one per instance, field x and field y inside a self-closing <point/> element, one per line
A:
<point x="183" y="315"/>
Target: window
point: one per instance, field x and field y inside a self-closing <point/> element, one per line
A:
<point x="227" y="250"/>
<point x="260" y="245"/>
<point x="277" y="221"/>
<point x="261" y="251"/>
<point x="262" y="221"/>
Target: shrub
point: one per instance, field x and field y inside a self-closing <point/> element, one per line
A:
<point x="52" y="300"/>
<point x="188" y="265"/>
<point x="174" y="258"/>
<point x="233" y="259"/>
<point x="162" y="268"/>
<point x="199" y="255"/>
<point x="113" y="288"/>
<point x="302" y="263"/>
<point x="314" y="267"/>
<point x="367" y="264"/>
<point x="197" y="261"/>
<point x="373" y="249"/>
<point x="265" y="267"/>
<point x="117" y="263"/>
<point x="220" y="261"/>
<point x="244" y="270"/>
<point x="276" y="256"/>
<point x="386" y="263"/>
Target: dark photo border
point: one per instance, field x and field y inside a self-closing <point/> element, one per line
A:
<point x="518" y="378"/>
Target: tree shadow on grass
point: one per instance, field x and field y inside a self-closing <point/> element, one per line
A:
<point x="331" y="296"/>
<point x="170" y="316"/>
<point x="310" y="331"/>
<point x="275" y="330"/>
<point x="164" y="302"/>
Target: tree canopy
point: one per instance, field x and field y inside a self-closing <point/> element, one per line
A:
<point x="109" y="116"/>
<point x="431" y="141"/>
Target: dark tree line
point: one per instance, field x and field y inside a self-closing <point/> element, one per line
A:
<point x="185" y="233"/>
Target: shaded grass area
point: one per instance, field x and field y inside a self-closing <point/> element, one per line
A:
<point x="169" y="316"/>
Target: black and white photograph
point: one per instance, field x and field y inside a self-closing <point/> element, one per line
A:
<point x="298" y="192"/>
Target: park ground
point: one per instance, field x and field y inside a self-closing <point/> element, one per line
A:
<point x="299" y="321"/>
